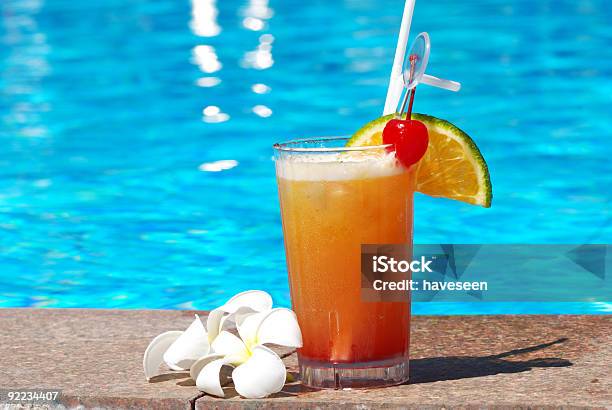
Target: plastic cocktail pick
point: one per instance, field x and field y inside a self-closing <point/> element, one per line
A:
<point x="413" y="73"/>
<point x="415" y="61"/>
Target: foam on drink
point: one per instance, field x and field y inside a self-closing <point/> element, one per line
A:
<point x="339" y="166"/>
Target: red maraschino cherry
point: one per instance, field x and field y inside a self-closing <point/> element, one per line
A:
<point x="409" y="137"/>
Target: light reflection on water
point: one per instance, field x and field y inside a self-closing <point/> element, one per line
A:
<point x="204" y="18"/>
<point x="118" y="119"/>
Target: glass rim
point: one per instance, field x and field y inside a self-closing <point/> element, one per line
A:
<point x="286" y="146"/>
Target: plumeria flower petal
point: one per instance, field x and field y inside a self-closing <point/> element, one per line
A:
<point x="247" y="326"/>
<point x="232" y="347"/>
<point x="280" y="327"/>
<point x="263" y="374"/>
<point x="249" y="301"/>
<point x="213" y="323"/>
<point x="210" y="379"/>
<point x="199" y="364"/>
<point x="178" y="349"/>
<point x="189" y="347"/>
<point x="154" y="354"/>
<point x="258" y="300"/>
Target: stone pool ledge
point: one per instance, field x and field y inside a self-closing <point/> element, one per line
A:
<point x="462" y="362"/>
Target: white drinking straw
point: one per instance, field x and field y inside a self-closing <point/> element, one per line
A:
<point x="394" y="91"/>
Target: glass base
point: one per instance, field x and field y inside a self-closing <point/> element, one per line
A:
<point x="354" y="375"/>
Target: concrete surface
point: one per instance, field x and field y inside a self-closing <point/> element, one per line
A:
<point x="463" y="362"/>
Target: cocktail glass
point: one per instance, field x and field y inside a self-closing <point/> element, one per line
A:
<point x="334" y="199"/>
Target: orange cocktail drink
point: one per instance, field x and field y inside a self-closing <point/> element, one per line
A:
<point x="333" y="200"/>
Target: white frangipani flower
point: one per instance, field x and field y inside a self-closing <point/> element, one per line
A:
<point x="179" y="350"/>
<point x="258" y="371"/>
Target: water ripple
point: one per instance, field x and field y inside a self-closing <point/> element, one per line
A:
<point x="113" y="113"/>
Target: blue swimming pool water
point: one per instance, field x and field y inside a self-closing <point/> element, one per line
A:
<point x="113" y="113"/>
